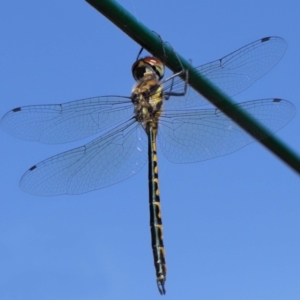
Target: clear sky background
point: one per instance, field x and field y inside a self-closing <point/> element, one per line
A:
<point x="231" y="225"/>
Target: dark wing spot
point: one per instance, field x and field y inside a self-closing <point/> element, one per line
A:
<point x="265" y="39"/>
<point x="32" y="168"/>
<point x="276" y="100"/>
<point x="16" y="109"/>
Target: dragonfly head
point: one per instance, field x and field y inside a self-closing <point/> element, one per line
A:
<point x="148" y="65"/>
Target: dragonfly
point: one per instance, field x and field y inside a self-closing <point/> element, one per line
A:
<point x="163" y="110"/>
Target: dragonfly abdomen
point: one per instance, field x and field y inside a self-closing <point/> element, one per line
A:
<point x="155" y="212"/>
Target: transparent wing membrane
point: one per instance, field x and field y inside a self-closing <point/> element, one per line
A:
<point x="61" y="123"/>
<point x="188" y="136"/>
<point x="185" y="135"/>
<point x="234" y="72"/>
<point x="109" y="159"/>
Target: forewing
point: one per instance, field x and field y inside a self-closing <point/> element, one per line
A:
<point x="196" y="135"/>
<point x="234" y="72"/>
<point x="107" y="160"/>
<point x="61" y="123"/>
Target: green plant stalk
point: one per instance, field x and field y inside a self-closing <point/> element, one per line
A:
<point x="153" y="44"/>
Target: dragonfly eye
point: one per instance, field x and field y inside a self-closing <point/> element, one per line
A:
<point x="159" y="70"/>
<point x="139" y="72"/>
<point x="144" y="65"/>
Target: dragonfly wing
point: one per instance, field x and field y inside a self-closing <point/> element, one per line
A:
<point x="234" y="72"/>
<point x="114" y="157"/>
<point x="195" y="135"/>
<point x="61" y="123"/>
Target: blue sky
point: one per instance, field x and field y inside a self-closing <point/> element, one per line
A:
<point x="231" y="224"/>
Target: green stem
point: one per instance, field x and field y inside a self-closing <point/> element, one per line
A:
<point x="152" y="43"/>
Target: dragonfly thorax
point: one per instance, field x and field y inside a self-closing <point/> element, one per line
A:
<point x="147" y="98"/>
